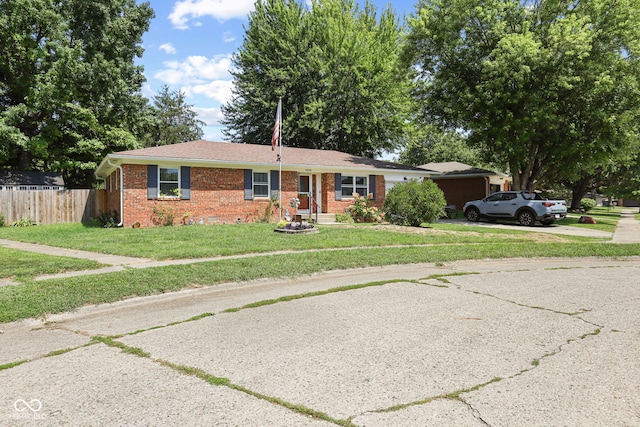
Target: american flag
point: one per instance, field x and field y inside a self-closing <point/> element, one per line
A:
<point x="275" y="138"/>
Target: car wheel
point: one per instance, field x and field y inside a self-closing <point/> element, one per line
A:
<point x="526" y="218"/>
<point x="472" y="214"/>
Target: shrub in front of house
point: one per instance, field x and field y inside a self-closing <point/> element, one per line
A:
<point x="587" y="204"/>
<point x="23" y="222"/>
<point x="109" y="219"/>
<point x="344" y="218"/>
<point x="361" y="209"/>
<point x="413" y="203"/>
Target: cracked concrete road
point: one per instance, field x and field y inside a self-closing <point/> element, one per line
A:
<point x="515" y="342"/>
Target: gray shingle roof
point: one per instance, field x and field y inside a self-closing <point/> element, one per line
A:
<point x="231" y="153"/>
<point x="9" y="177"/>
<point x="457" y="168"/>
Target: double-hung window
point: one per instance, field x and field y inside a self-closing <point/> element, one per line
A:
<point x="354" y="184"/>
<point x="169" y="182"/>
<point x="261" y="184"/>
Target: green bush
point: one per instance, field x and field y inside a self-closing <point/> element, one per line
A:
<point x="362" y="211"/>
<point x="344" y="218"/>
<point x="413" y="203"/>
<point x="587" y="204"/>
<point x="3" y="221"/>
<point x="108" y="219"/>
<point x="24" y="222"/>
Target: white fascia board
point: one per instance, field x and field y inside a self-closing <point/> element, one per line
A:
<point x="104" y="169"/>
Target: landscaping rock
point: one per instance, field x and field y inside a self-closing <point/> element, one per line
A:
<point x="586" y="220"/>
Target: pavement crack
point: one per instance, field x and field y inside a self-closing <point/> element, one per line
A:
<point x="476" y="414"/>
<point x="455" y="395"/>
<point x="220" y="381"/>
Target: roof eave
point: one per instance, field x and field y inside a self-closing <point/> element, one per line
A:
<point x="471" y="175"/>
<point x="105" y="168"/>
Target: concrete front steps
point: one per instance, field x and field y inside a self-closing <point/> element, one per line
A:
<point x="321" y="218"/>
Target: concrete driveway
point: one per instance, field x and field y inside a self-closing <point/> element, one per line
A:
<point x="516" y="342"/>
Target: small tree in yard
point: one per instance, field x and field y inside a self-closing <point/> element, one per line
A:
<point x="413" y="203"/>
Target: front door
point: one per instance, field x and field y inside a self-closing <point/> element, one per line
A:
<point x="305" y="190"/>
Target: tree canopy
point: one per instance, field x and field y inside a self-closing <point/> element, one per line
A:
<point x="549" y="87"/>
<point x="336" y="68"/>
<point x="173" y="120"/>
<point x="431" y="144"/>
<point x="69" y="87"/>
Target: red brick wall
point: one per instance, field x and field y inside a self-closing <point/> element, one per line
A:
<point x="331" y="205"/>
<point x="459" y="191"/>
<point x="217" y="196"/>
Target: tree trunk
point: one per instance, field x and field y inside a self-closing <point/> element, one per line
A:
<point x="24" y="160"/>
<point x="578" y="190"/>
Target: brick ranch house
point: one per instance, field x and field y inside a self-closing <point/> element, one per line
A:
<point x="461" y="183"/>
<point x="207" y="182"/>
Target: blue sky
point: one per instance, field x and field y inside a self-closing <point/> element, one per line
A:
<point x="189" y="47"/>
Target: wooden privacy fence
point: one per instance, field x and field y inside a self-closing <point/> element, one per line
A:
<point x="52" y="206"/>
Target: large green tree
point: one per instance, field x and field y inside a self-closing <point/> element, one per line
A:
<point x="173" y="120"/>
<point x="550" y="88"/>
<point x="430" y="144"/>
<point x="69" y="87"/>
<point x="336" y="68"/>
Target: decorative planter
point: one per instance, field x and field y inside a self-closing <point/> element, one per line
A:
<point x="296" y="231"/>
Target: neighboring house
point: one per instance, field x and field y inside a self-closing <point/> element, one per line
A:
<point x="460" y="182"/>
<point x="18" y="180"/>
<point x="217" y="182"/>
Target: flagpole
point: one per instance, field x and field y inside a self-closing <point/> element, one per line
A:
<point x="280" y="161"/>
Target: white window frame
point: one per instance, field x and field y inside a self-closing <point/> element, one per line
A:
<point x="170" y="195"/>
<point x="354" y="186"/>
<point x="255" y="183"/>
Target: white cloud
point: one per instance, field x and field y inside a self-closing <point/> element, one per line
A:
<point x="168" y="49"/>
<point x="147" y="91"/>
<point x="211" y="116"/>
<point x="195" y="70"/>
<point x="228" y="37"/>
<point x="220" y="90"/>
<point x="184" y="10"/>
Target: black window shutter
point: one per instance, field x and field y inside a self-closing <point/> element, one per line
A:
<point x="185" y="182"/>
<point x="372" y="186"/>
<point x="248" y="184"/>
<point x="338" y="186"/>
<point x="152" y="181"/>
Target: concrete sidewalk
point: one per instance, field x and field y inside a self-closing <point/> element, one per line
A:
<point x="517" y="342"/>
<point x="628" y="229"/>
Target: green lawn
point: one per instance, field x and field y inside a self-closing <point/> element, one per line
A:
<point x="21" y="265"/>
<point x="232" y="239"/>
<point x="335" y="247"/>
<point x="606" y="219"/>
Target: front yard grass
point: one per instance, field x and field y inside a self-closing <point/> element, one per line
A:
<point x="606" y="219"/>
<point x="338" y="247"/>
<point x="181" y="242"/>
<point x="21" y="265"/>
<point x="35" y="299"/>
